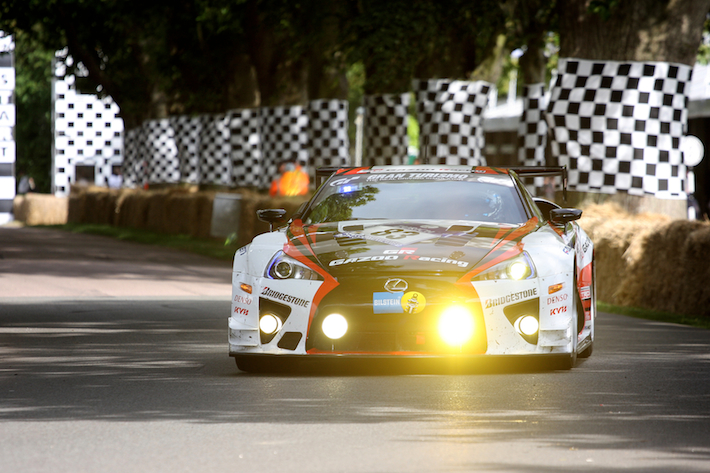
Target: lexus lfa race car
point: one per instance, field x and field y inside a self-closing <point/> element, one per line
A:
<point x="416" y="261"/>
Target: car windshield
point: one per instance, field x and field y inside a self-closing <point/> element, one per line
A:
<point x="416" y="196"/>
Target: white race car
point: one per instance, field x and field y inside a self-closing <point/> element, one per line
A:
<point x="416" y="261"/>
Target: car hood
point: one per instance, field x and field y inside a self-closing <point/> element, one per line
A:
<point x="396" y="246"/>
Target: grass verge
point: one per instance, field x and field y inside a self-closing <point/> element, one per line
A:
<point x="694" y="321"/>
<point x="212" y="248"/>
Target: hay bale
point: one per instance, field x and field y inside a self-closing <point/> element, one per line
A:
<point x="669" y="275"/>
<point x="618" y="243"/>
<point x="133" y="210"/>
<point x="41" y="209"/>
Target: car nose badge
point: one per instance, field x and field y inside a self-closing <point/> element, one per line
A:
<point x="396" y="285"/>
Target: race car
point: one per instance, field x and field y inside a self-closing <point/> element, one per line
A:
<point x="416" y="261"/>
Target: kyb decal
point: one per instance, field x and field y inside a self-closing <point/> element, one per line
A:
<point x="241" y="310"/>
<point x="558" y="310"/>
<point x="284" y="297"/>
<point x="517" y="296"/>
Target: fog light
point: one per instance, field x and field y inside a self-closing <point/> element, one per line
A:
<point x="269" y="323"/>
<point x="335" y="326"/>
<point x="527" y="325"/>
<point x="456" y="325"/>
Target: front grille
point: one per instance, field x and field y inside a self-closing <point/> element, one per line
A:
<point x="369" y="332"/>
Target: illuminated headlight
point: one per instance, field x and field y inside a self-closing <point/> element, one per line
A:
<point x="518" y="268"/>
<point x="527" y="325"/>
<point x="282" y="266"/>
<point x="269" y="323"/>
<point x="456" y="325"/>
<point x="335" y="326"/>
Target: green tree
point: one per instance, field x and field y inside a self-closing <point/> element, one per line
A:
<point x="33" y="132"/>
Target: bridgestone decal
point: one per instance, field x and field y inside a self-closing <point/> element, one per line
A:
<point x="517" y="296"/>
<point x="284" y="297"/>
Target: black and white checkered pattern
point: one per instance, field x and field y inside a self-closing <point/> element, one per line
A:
<point x="328" y="133"/>
<point x="618" y="125"/>
<point x="284" y="136"/>
<point x="245" y="139"/>
<point x="163" y="161"/>
<point x="186" y="130"/>
<point x="8" y="149"/>
<point x="386" y="139"/>
<point x="88" y="131"/>
<point x="450" y="115"/>
<point x="215" y="151"/>
<point x="532" y="131"/>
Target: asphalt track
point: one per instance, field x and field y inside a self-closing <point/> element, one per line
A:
<point x="113" y="359"/>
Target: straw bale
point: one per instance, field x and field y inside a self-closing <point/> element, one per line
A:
<point x="618" y="243"/>
<point x="41" y="209"/>
<point x="671" y="272"/>
<point x="133" y="210"/>
<point x="157" y="220"/>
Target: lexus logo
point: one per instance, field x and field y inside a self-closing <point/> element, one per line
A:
<point x="396" y="285"/>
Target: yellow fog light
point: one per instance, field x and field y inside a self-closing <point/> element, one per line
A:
<point x="269" y="323"/>
<point x="335" y="326"/>
<point x="527" y="325"/>
<point x="456" y="325"/>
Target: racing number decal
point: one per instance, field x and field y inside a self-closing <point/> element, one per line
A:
<point x="395" y="233"/>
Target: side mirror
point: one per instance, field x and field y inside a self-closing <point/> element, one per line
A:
<point x="271" y="216"/>
<point x="564" y="216"/>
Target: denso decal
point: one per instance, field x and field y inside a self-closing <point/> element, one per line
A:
<point x="241" y="310"/>
<point x="558" y="310"/>
<point x="557" y="299"/>
<point x="517" y="296"/>
<point x="284" y="297"/>
<point x="243" y="299"/>
<point x="361" y="259"/>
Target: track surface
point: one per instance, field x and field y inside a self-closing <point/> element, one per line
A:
<point x="113" y="359"/>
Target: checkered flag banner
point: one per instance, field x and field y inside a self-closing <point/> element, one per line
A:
<point x="328" y="141"/>
<point x="284" y="136"/>
<point x="186" y="130"/>
<point x="215" y="150"/>
<point x="163" y="161"/>
<point x="450" y="115"/>
<point x="618" y="125"/>
<point x="386" y="139"/>
<point x="532" y="132"/>
<point x="245" y="140"/>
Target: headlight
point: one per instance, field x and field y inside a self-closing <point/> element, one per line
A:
<point x="335" y="326"/>
<point x="282" y="266"/>
<point x="517" y="268"/>
<point x="456" y="325"/>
